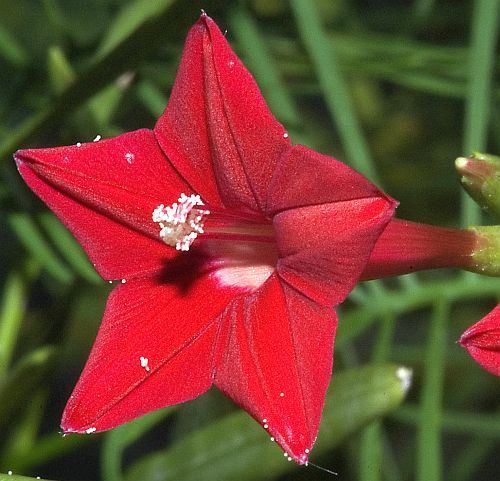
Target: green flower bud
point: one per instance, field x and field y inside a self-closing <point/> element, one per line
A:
<point x="481" y="179"/>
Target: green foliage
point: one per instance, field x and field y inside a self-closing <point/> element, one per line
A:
<point x="397" y="91"/>
<point x="356" y="397"/>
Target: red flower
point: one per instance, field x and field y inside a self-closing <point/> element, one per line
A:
<point x="482" y="341"/>
<point x="277" y="235"/>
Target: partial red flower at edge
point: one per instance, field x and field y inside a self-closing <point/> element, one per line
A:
<point x="249" y="306"/>
<point x="482" y="341"/>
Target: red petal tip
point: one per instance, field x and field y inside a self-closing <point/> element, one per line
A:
<point x="204" y="18"/>
<point x="20" y="157"/>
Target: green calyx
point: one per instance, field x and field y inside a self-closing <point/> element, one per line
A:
<point x="481" y="179"/>
<point x="486" y="257"/>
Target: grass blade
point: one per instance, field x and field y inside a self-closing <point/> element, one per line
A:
<point x="333" y="86"/>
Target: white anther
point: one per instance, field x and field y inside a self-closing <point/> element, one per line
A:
<point x="181" y="223"/>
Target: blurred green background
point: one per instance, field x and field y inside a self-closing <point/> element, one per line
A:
<point x="397" y="89"/>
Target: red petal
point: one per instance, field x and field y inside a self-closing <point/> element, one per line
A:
<point x="324" y="248"/>
<point x="105" y="193"/>
<point x="217" y="128"/>
<point x="482" y="341"/>
<point x="327" y="219"/>
<point x="173" y="325"/>
<point x="277" y="362"/>
<point x="304" y="177"/>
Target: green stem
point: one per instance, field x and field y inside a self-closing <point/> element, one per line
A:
<point x="371" y="455"/>
<point x="457" y="422"/>
<point x="429" y="457"/>
<point x="479" y="92"/>
<point x="400" y="301"/>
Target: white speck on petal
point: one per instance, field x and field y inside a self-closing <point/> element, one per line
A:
<point x="285" y="135"/>
<point x="129" y="157"/>
<point x="90" y="430"/>
<point x="405" y="376"/>
<point x="97" y="138"/>
<point x="144" y="363"/>
<point x="110" y="282"/>
<point x="307" y="451"/>
<point x="264" y="420"/>
<point x="266" y="426"/>
<point x="78" y="144"/>
<point x="231" y="63"/>
<point x="282" y="394"/>
<point x="123" y="281"/>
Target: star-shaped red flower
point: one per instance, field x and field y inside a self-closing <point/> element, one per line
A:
<point x="249" y="306"/>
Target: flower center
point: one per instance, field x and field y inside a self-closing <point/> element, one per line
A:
<point x="183" y="221"/>
<point x="240" y="245"/>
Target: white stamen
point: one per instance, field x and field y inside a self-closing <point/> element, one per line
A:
<point x="97" y="138"/>
<point x="9" y="473"/>
<point x="144" y="363"/>
<point x="123" y="281"/>
<point x="272" y="439"/>
<point x="264" y="420"/>
<point x="282" y="394"/>
<point x="307" y="451"/>
<point x="285" y="135"/>
<point x="266" y="426"/>
<point x="289" y="458"/>
<point x="181" y="223"/>
<point x="90" y="430"/>
<point x="78" y="144"/>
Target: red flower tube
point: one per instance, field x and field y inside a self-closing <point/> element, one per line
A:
<point x="406" y="247"/>
<point x="231" y="246"/>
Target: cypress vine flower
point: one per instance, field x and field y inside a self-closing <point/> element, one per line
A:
<point x="231" y="246"/>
